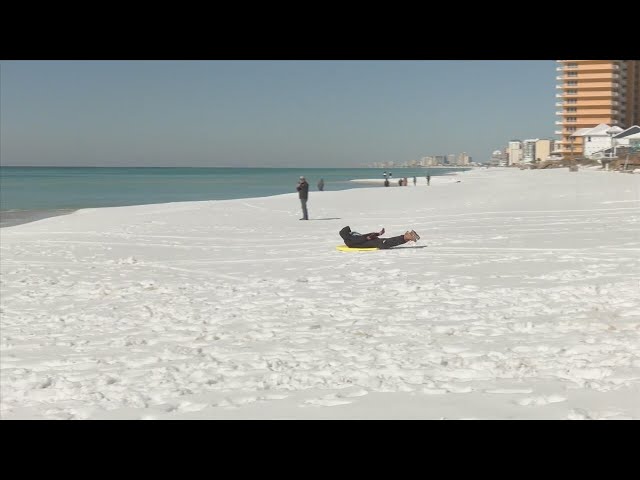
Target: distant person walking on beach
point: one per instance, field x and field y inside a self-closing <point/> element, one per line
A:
<point x="428" y="180"/>
<point x="303" y="194"/>
<point x="321" y="185"/>
<point x="414" y="180"/>
<point x="373" y="240"/>
<point x="386" y="182"/>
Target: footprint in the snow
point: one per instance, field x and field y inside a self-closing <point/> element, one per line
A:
<point x="542" y="400"/>
<point x="508" y="391"/>
<point x="191" y="407"/>
<point x="273" y="396"/>
<point x="433" y="391"/>
<point x="326" y="401"/>
<point x="355" y="393"/>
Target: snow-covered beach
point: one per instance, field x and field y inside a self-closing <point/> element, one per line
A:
<point x="521" y="300"/>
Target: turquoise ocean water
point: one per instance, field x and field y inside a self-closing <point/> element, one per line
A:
<point x="31" y="193"/>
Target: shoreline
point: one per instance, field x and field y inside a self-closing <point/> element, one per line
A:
<point x="118" y="186"/>
<point x="15" y="217"/>
<point x="11" y="218"/>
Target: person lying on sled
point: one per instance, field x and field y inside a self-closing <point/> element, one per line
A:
<point x="373" y="240"/>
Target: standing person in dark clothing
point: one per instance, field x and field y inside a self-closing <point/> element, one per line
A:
<point x="303" y="194"/>
<point x="428" y="179"/>
<point x="321" y="185"/>
<point x="373" y="240"/>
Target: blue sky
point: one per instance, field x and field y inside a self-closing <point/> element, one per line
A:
<point x="315" y="113"/>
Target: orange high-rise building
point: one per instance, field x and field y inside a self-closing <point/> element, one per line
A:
<point x="591" y="92"/>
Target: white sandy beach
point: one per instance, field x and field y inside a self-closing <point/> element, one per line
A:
<point x="521" y="300"/>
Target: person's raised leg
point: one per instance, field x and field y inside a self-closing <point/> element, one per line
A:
<point x="393" y="241"/>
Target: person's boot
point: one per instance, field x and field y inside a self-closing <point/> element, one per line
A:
<point x="411" y="236"/>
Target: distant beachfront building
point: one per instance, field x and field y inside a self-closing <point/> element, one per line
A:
<point x="440" y="159"/>
<point x="529" y="150"/>
<point x="498" y="159"/>
<point x="626" y="137"/>
<point x="514" y="152"/>
<point x="594" y="92"/>
<point x="463" y="159"/>
<point x="593" y="140"/>
<point x="597" y="142"/>
<point x="451" y="159"/>
<point x="428" y="161"/>
<point x="544" y="147"/>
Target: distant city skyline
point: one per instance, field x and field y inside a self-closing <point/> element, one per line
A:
<point x="452" y="159"/>
<point x="315" y="113"/>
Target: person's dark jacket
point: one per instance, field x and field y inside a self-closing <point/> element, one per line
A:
<point x="303" y="190"/>
<point x="355" y="239"/>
